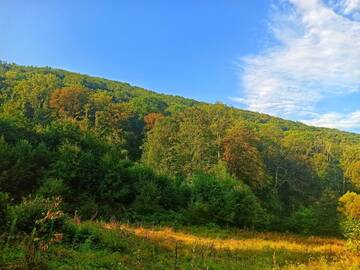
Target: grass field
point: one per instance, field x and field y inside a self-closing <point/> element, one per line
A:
<point x="121" y="246"/>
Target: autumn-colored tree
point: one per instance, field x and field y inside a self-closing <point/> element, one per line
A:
<point x="350" y="205"/>
<point x="69" y="102"/>
<point x="111" y="121"/>
<point x="243" y="158"/>
<point x="151" y="119"/>
<point x="117" y="114"/>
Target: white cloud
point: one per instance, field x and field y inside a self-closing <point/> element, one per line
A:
<point x="317" y="55"/>
<point x="337" y="120"/>
<point x="347" y="7"/>
<point x="351" y="6"/>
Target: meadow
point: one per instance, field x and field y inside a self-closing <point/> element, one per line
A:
<point x="96" y="245"/>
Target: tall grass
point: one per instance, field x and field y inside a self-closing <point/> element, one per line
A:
<point x="95" y="245"/>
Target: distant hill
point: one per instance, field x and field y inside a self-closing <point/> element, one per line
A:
<point x="124" y="92"/>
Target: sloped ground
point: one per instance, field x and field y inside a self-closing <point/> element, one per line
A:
<point x="239" y="241"/>
<point x="97" y="245"/>
<point x="236" y="249"/>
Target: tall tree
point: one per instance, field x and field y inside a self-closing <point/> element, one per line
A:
<point x="69" y="102"/>
<point x="242" y="157"/>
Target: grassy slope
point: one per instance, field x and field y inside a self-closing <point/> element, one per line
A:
<point x="116" y="246"/>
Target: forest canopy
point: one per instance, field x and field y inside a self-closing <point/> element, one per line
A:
<point x="109" y="149"/>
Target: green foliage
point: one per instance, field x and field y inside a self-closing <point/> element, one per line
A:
<point x="327" y="216"/>
<point x="351" y="164"/>
<point x="320" y="218"/>
<point x="40" y="214"/>
<point x="351" y="230"/>
<point x="224" y="201"/>
<point x="303" y="221"/>
<point x="87" y="236"/>
<point x="21" y="167"/>
<point x="53" y="187"/>
<point x="4" y="210"/>
<point x="349" y="205"/>
<point x="154" y="192"/>
<point x="148" y="104"/>
<point x="110" y="149"/>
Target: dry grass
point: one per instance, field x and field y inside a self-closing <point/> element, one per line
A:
<point x="299" y="253"/>
<point x="242" y="241"/>
<point x="344" y="262"/>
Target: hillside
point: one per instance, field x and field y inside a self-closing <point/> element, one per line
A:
<point x="79" y="147"/>
<point x="12" y="74"/>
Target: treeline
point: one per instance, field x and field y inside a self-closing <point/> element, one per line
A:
<point x="95" y="181"/>
<point x="109" y="149"/>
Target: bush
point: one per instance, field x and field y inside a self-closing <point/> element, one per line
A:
<point x="224" y="202"/>
<point x="351" y="230"/>
<point x="303" y="221"/>
<point x="53" y="187"/>
<point x="88" y="235"/>
<point x="39" y="214"/>
<point x="153" y="192"/>
<point x="349" y="205"/>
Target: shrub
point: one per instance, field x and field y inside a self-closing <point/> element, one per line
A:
<point x="89" y="235"/>
<point x="225" y="202"/>
<point x="349" y="205"/>
<point x="154" y="192"/>
<point x="39" y="214"/>
<point x="53" y="187"/>
<point x="351" y="230"/>
<point x="303" y="221"/>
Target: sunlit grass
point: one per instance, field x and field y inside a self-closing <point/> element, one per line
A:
<point x="123" y="246"/>
<point x="231" y="249"/>
<point x="240" y="240"/>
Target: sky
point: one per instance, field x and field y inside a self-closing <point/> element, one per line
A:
<point x="296" y="59"/>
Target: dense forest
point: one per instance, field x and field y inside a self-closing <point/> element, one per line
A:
<point x="109" y="150"/>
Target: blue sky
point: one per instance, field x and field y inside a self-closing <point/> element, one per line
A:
<point x="297" y="59"/>
<point x="177" y="47"/>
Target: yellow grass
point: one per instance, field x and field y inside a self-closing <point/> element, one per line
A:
<point x="243" y="241"/>
<point x="344" y="262"/>
<point x="250" y="242"/>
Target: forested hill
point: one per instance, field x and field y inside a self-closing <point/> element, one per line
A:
<point x="111" y="149"/>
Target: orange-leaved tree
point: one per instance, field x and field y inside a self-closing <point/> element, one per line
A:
<point x="242" y="158"/>
<point x="69" y="102"/>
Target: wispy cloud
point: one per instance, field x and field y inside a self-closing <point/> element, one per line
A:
<point x="337" y="120"/>
<point x="316" y="55"/>
<point x="347" y="7"/>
